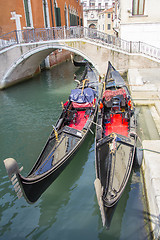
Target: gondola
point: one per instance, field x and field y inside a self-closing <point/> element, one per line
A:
<point x="65" y="139"/>
<point x="115" y="143"/>
<point x="79" y="63"/>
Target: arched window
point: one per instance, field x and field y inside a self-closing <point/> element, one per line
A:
<point x="28" y="13"/>
<point x="73" y="17"/>
<point x="93" y="26"/>
<point x="70" y="17"/>
<point x="46" y="14"/>
<point x="66" y="16"/>
<point x="57" y="13"/>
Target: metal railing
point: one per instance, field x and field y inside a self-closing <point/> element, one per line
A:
<point x="58" y="33"/>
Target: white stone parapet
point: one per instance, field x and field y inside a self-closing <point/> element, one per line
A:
<point x="151" y="171"/>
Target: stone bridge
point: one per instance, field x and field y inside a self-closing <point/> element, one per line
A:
<point x="22" y="52"/>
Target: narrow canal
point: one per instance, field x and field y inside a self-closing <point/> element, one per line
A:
<point x="68" y="209"/>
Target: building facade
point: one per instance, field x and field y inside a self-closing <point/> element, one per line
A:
<point x="91" y="10"/>
<point x="105" y="21"/>
<point x="33" y="14"/>
<point x="22" y="14"/>
<point x="140" y="21"/>
<point x="116" y="17"/>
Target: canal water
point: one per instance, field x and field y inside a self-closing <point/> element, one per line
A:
<point x="68" y="210"/>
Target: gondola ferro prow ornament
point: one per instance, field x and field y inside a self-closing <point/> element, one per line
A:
<point x="13" y="170"/>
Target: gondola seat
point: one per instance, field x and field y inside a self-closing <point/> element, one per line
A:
<point x="82" y="105"/>
<point x="116" y="104"/>
<point x="110" y="95"/>
<point x="71" y="115"/>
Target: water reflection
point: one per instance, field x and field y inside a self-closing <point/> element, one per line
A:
<point x="64" y="193"/>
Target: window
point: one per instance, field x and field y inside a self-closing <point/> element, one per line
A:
<point x="91" y="5"/>
<point x="109" y="26"/>
<point x="81" y="22"/>
<point x="28" y="13"/>
<point x="58" y="17"/>
<point x="109" y="15"/>
<point x="138" y="7"/>
<point x="106" y="5"/>
<point x="66" y="16"/>
<point x="46" y="14"/>
<point x="73" y="19"/>
<point x="57" y="13"/>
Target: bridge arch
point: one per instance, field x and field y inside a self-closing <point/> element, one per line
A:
<point x="20" y="61"/>
<point x="25" y="66"/>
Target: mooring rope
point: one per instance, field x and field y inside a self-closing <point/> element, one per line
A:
<point x="95" y="124"/>
<point x="145" y="149"/>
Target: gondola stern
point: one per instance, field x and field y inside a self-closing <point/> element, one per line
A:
<point x="106" y="212"/>
<point x="13" y="172"/>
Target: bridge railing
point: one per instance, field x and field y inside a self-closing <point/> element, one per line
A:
<point x="8" y="39"/>
<point x="123" y="45"/>
<point x="58" y="33"/>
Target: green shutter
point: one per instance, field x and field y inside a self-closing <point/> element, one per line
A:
<point x="81" y="22"/>
<point x="58" y="17"/>
<point x="65" y="12"/>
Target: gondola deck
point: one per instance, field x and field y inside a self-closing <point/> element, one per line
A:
<point x="81" y="120"/>
<point x="118" y="125"/>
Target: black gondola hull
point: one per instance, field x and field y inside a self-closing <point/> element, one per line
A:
<point x="115" y="143"/>
<point x="71" y="129"/>
<point x="114" y="168"/>
<point x="33" y="189"/>
<point x="79" y="63"/>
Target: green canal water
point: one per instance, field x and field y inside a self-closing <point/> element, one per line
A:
<point x="68" y="210"/>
